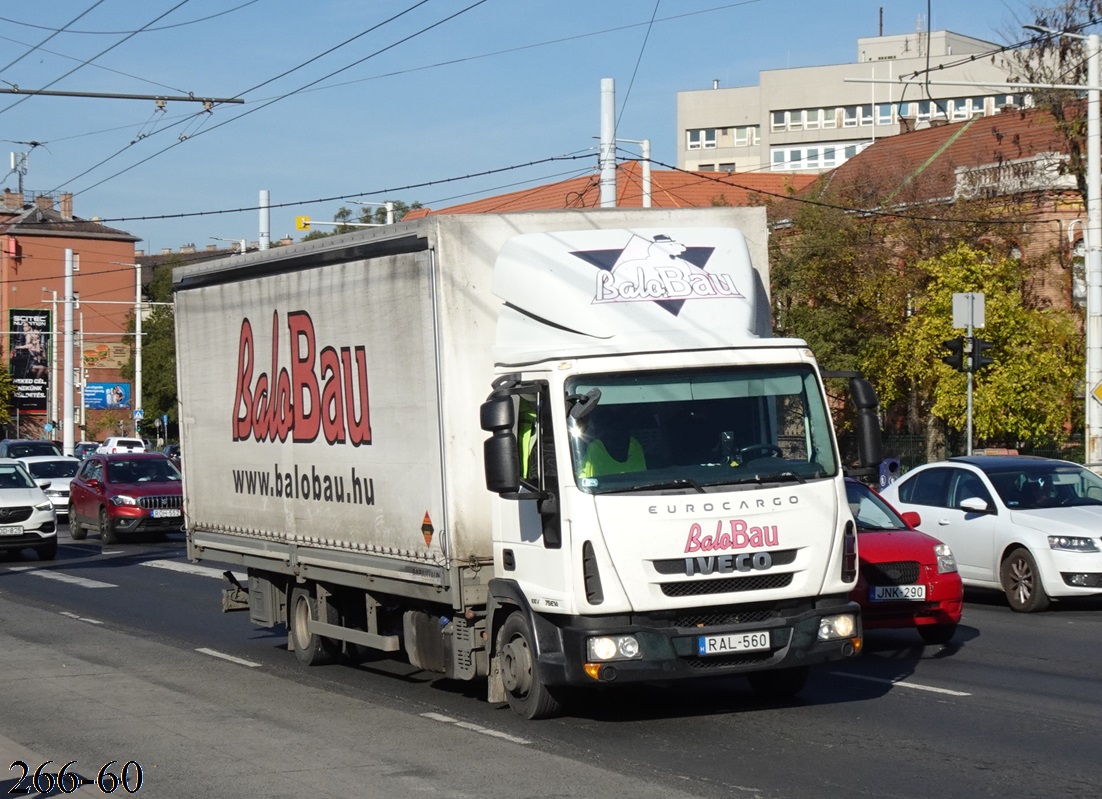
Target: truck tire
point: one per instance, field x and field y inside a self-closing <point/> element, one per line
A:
<point x="526" y="694"/>
<point x="779" y="685"/>
<point x="310" y="649"/>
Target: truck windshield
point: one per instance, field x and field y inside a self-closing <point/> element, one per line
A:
<point x="698" y="431"/>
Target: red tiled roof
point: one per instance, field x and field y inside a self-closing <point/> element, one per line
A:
<point x="927" y="160"/>
<point x="669" y="189"/>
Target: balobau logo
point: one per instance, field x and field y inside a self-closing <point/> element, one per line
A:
<point x="321" y="391"/>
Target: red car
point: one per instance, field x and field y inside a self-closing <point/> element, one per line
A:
<point x="906" y="578"/>
<point x="125" y="494"/>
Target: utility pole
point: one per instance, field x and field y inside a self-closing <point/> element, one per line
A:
<point x="608" y="143"/>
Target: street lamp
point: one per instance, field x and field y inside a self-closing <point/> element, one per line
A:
<point x="1093" y="389"/>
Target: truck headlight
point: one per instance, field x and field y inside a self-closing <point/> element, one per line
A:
<point x="1072" y="543"/>
<point x="612" y="647"/>
<point x="946" y="563"/>
<point x="843" y="625"/>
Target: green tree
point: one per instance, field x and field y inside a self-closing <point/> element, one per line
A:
<point x="7" y="391"/>
<point x="159" y="395"/>
<point x="1023" y="396"/>
<point x="371" y="215"/>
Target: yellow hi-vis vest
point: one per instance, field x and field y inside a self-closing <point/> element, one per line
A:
<point x="598" y="462"/>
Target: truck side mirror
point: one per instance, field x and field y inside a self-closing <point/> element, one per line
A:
<point x="500" y="452"/>
<point x="869" y="444"/>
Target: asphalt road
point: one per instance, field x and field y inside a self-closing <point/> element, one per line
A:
<point x="123" y="654"/>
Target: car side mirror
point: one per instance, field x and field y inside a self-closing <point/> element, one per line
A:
<point x="975" y="505"/>
<point x="912" y="519"/>
<point x="42" y="483"/>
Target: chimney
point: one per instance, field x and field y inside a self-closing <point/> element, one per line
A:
<point x="715" y="83"/>
<point x="906" y="124"/>
<point x="44" y="203"/>
<point x="67" y="205"/>
<point x="188" y="249"/>
<point x="13" y="200"/>
<point x="166" y="251"/>
<point x="212" y="248"/>
<point x="138" y="253"/>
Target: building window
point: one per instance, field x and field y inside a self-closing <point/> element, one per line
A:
<point x="795" y="120"/>
<point x="884" y="114"/>
<point x="830" y="117"/>
<point x="866" y="115"/>
<point x="829" y="156"/>
<point x="849" y="118"/>
<point x="727" y="167"/>
<point x="924" y="109"/>
<point x="779" y="161"/>
<point x="746" y="137"/>
<point x="780" y="120"/>
<point x="814" y="118"/>
<point x="704" y="138"/>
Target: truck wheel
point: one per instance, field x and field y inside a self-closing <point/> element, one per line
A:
<point x="106" y="533"/>
<point x="1022" y="582"/>
<point x="310" y="649"/>
<point x="779" y="685"/>
<point x="528" y="697"/>
<point x="76" y="529"/>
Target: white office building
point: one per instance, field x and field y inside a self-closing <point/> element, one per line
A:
<point x="811" y="119"/>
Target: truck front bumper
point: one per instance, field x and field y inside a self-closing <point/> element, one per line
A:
<point x="673" y="651"/>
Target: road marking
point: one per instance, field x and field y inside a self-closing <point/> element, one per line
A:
<point x="79" y="618"/>
<point x="186" y="568"/>
<point x="902" y="683"/>
<point x="466" y="725"/>
<point x="230" y="658"/>
<point x="62" y="577"/>
<point x="112" y="552"/>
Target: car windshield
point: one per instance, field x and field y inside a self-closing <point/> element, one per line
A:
<point x="146" y="470"/>
<point x="871" y="513"/>
<point x="12" y="476"/>
<point x="699" y="430"/>
<point x="1046" y="485"/>
<point x="48" y="469"/>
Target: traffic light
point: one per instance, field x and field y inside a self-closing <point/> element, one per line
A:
<point x="956" y="357"/>
<point x="979" y="360"/>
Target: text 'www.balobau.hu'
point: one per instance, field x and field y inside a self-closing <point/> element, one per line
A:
<point x="301" y="484"/>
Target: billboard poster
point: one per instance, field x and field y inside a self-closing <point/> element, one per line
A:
<point x="29" y="358"/>
<point x="108" y="396"/>
<point x="106" y="356"/>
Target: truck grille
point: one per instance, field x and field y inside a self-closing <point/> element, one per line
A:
<point x="163" y="501"/>
<point x="726" y="585"/>
<point x="902" y="572"/>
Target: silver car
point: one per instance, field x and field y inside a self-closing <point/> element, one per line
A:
<point x="53" y="475"/>
<point x="27" y="517"/>
<point x="1029" y="526"/>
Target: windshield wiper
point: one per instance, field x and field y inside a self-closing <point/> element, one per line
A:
<point x="680" y="482"/>
<point x="769" y="478"/>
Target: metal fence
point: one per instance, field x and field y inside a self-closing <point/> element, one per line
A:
<point x="911" y="450"/>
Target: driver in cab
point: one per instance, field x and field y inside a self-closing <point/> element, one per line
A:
<point x="609" y="446"/>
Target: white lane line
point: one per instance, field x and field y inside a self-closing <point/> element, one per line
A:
<point x="112" y="552"/>
<point x="466" y="725"/>
<point x="186" y="568"/>
<point x="902" y="684"/>
<point x="239" y="661"/>
<point x="79" y="618"/>
<point x="62" y="577"/>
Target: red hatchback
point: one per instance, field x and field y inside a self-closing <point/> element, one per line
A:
<point x="126" y="494"/>
<point x="906" y="578"/>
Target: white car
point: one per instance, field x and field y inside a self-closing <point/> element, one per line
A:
<point x="53" y="474"/>
<point x="1029" y="526"/>
<point x="27" y="517"/>
<point x="121" y="444"/>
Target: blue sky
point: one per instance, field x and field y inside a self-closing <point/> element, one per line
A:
<point x="382" y="99"/>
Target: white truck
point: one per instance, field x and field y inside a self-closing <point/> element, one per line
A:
<point x="551" y="450"/>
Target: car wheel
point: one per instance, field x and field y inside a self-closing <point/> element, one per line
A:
<point x="780" y="685"/>
<point x="106" y="532"/>
<point x="528" y="696"/>
<point x="47" y="551"/>
<point x="1022" y="582"/>
<point x="937" y="633"/>
<point x="311" y="649"/>
<point x="76" y="529"/>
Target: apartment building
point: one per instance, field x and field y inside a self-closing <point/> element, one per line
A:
<point x="812" y="119"/>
